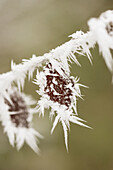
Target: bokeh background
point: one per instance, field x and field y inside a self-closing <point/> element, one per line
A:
<point x="35" y="27"/>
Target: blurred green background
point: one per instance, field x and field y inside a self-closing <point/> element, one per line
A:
<point x="34" y="27"/>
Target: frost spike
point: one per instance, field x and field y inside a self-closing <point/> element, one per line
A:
<point x="55" y="123"/>
<point x="65" y="133"/>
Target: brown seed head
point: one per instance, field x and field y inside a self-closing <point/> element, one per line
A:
<point x="56" y="87"/>
<point x="18" y="105"/>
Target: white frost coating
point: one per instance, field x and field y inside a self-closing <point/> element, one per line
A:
<point x="62" y="113"/>
<point x="80" y="43"/>
<point x="100" y="32"/>
<point x="18" y="134"/>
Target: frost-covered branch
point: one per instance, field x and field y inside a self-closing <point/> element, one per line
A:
<point x="58" y="57"/>
<point x="58" y="90"/>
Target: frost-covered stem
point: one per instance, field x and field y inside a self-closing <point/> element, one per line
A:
<point x="61" y="53"/>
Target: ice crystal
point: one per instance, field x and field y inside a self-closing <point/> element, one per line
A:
<point x="60" y="94"/>
<point x="102" y="30"/>
<point x="16" y="116"/>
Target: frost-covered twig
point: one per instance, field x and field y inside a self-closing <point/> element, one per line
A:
<point x="58" y="57"/>
<point x="58" y="90"/>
